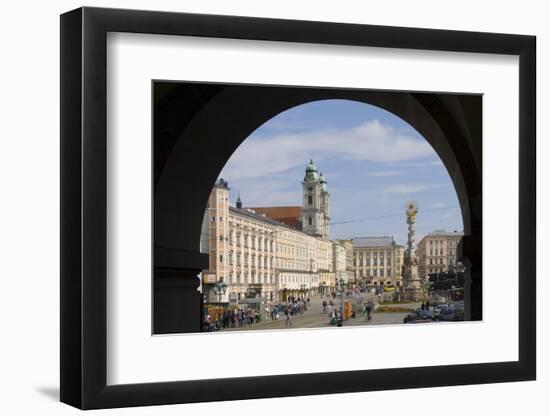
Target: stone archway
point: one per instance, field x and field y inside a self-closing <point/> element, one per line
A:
<point x="197" y="127"/>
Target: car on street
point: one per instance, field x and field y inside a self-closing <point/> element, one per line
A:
<point x="419" y="316"/>
<point x="451" y="314"/>
<point x="424" y="314"/>
<point x="438" y="308"/>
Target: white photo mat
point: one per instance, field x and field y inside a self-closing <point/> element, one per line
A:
<point x="135" y="356"/>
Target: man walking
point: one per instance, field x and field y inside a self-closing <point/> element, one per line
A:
<point x="368" y="309"/>
<point x="288" y="321"/>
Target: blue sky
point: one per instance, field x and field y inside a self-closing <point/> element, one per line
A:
<point x="374" y="162"/>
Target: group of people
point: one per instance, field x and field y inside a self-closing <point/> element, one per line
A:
<point x="425" y="306"/>
<point x="336" y="318"/>
<point x="294" y="306"/>
<point x="327" y="307"/>
<point x="232" y="319"/>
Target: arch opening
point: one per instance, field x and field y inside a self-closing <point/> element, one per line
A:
<point x="223" y="116"/>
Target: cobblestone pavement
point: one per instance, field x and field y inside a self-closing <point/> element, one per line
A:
<point x="315" y="317"/>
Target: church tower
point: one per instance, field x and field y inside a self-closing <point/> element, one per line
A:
<point x="315" y="203"/>
<point x="324" y="205"/>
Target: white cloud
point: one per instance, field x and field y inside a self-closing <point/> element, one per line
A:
<point x="404" y="189"/>
<point x="384" y="173"/>
<point x="370" y="141"/>
<point x="424" y="164"/>
<point x="408" y="188"/>
<point x="268" y="191"/>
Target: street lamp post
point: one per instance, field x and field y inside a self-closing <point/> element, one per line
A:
<point x="219" y="288"/>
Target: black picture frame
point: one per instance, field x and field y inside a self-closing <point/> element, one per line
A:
<point x="83" y="310"/>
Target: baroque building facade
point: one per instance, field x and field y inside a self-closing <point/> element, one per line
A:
<point x="378" y="261"/>
<point x="241" y="247"/>
<point x="264" y="254"/>
<point x="303" y="263"/>
<point x="437" y="252"/>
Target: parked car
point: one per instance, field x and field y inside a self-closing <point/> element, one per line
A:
<point x="413" y="318"/>
<point x="409" y="318"/>
<point x="451" y="314"/>
<point x="424" y="314"/>
<point x="438" y="308"/>
<point x="419" y="316"/>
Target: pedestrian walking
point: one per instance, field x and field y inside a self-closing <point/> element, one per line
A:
<point x="288" y="321"/>
<point x="240" y="318"/>
<point x="368" y="310"/>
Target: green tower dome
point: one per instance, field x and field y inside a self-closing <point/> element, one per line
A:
<point x="311" y="166"/>
<point x="311" y="171"/>
<point x="323" y="182"/>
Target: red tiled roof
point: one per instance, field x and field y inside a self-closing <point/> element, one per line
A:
<point x="289" y="215"/>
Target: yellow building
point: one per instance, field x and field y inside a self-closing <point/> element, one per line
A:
<point x="378" y="261"/>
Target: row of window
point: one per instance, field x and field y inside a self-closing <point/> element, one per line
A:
<point x="438" y="243"/>
<point x="305" y="266"/>
<point x="386" y="254"/>
<point x="299" y="279"/>
<point x="247" y="278"/>
<point x="254" y="244"/>
<point x="366" y="262"/>
<point x="293" y="250"/>
<point x="378" y="272"/>
<point x="439" y="261"/>
<point x="264" y="262"/>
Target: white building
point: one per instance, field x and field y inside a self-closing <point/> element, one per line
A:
<point x="437" y="252"/>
